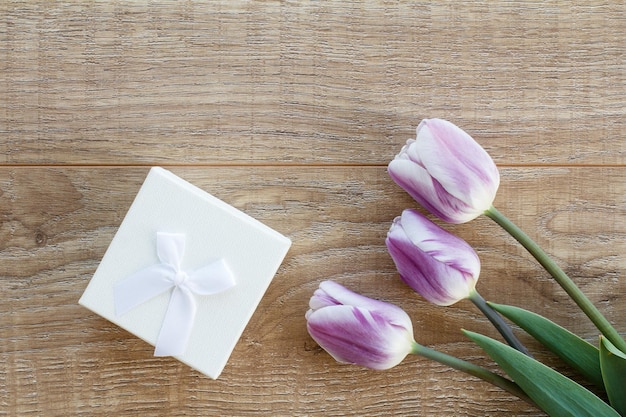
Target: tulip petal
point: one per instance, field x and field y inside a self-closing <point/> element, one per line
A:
<point x="439" y="283"/>
<point x="321" y="299"/>
<point x="439" y="243"/>
<point x="429" y="193"/>
<point x="330" y="293"/>
<point x="457" y="161"/>
<point x="356" y="335"/>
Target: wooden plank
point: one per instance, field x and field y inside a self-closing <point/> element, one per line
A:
<point x="60" y="359"/>
<point x="307" y="82"/>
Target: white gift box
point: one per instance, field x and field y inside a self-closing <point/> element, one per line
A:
<point x="211" y="231"/>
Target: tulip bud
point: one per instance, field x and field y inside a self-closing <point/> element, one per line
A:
<point x="440" y="266"/>
<point x="358" y="330"/>
<point x="446" y="171"/>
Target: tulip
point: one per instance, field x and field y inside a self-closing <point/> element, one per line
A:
<point x="358" y="330"/>
<point x="446" y="171"/>
<point x="440" y="266"/>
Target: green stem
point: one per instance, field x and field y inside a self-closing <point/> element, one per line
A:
<point x="471" y="369"/>
<point x="498" y="322"/>
<point x="561" y="277"/>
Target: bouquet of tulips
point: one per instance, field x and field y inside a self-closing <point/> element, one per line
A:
<point x="455" y="179"/>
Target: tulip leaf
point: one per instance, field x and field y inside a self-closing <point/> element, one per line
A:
<point x="576" y="352"/>
<point x="554" y="393"/>
<point x="613" y="364"/>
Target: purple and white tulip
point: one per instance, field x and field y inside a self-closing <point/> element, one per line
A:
<point x="358" y="330"/>
<point x="440" y="266"/>
<point x="446" y="171"/>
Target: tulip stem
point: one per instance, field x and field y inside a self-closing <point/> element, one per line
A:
<point x="603" y="325"/>
<point x="471" y="369"/>
<point x="498" y="322"/>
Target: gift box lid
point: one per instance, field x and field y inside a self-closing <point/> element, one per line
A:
<point x="175" y="242"/>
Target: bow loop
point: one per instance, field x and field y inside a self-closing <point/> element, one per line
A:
<point x="211" y="279"/>
<point x="170" y="248"/>
<point x="149" y="282"/>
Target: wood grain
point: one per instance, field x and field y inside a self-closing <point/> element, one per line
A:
<point x="302" y="82"/>
<point x="290" y="111"/>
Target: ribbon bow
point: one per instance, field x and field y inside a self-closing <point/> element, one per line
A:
<point x="156" y="279"/>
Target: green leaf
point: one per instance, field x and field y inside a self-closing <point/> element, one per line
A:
<point x="576" y="352"/>
<point x="553" y="392"/>
<point x="613" y="364"/>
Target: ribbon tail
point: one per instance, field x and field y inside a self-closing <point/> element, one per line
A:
<point x="177" y="324"/>
<point x="141" y="286"/>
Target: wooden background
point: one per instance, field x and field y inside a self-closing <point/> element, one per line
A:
<point x="290" y="111"/>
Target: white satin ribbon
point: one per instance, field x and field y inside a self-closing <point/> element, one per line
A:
<point x="156" y="279"/>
